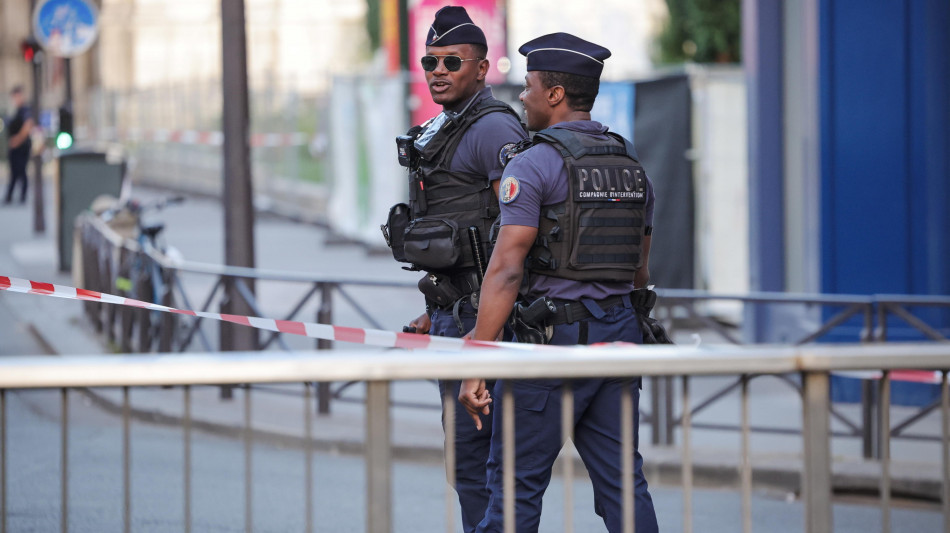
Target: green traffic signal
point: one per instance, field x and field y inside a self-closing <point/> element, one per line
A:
<point x="64" y="140"/>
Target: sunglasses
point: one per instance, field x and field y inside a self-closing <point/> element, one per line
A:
<point x="452" y="63"/>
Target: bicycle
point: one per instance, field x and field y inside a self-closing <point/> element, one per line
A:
<point x="141" y="276"/>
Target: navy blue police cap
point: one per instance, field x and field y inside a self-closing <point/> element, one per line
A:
<point x="452" y="25"/>
<point x="563" y="52"/>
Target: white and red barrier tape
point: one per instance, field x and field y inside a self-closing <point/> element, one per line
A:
<point x="196" y="137"/>
<point x="371" y="337"/>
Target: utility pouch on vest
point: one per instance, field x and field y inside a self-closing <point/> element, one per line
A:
<point x="433" y="243"/>
<point x="394" y="231"/>
<point x="438" y="289"/>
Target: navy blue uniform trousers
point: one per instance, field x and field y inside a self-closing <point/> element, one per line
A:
<point x="471" y="446"/>
<point x="18" y="160"/>
<point x="537" y="407"/>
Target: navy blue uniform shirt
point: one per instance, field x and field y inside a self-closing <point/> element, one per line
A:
<point x="481" y="148"/>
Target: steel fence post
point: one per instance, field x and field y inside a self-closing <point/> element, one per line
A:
<point x="869" y="422"/>
<point x="378" y="455"/>
<point x="816" y="475"/>
<point x="324" y="316"/>
<point x="169" y="321"/>
<point x="3" y="461"/>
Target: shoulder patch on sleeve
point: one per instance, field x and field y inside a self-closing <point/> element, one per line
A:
<point x="506" y="153"/>
<point x="509" y="190"/>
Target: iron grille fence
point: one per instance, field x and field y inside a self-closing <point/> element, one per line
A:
<point x="379" y="369"/>
<point x="106" y="255"/>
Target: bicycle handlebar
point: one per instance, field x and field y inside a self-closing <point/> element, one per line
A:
<point x="137" y="208"/>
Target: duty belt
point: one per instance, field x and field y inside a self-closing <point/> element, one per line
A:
<point x="467" y="285"/>
<point x="572" y="311"/>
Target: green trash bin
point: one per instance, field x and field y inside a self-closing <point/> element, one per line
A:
<point x="84" y="175"/>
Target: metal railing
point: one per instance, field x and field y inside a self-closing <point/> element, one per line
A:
<point x="104" y="252"/>
<point x="380" y="369"/>
<point x="875" y="311"/>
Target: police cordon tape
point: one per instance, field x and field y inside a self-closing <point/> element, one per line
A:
<point x="370" y="337"/>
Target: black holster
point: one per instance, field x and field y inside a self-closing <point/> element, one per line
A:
<point x="528" y="322"/>
<point x="643" y="301"/>
<point x="439" y="289"/>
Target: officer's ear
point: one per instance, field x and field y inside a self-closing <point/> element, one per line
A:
<point x="555" y="95"/>
<point x="483" y="66"/>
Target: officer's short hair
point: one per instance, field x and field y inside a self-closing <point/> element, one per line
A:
<point x="580" y="91"/>
<point x="480" y="50"/>
<point x="17" y="89"/>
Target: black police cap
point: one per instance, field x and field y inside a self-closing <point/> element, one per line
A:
<point x="563" y="52"/>
<point x="452" y="25"/>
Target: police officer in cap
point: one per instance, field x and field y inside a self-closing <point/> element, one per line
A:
<point x="577" y="215"/>
<point x="455" y="161"/>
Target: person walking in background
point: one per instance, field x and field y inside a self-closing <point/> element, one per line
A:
<point x="455" y="161"/>
<point x="577" y="214"/>
<point x="19" y="144"/>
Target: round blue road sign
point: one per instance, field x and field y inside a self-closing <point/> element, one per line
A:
<point x="65" y="28"/>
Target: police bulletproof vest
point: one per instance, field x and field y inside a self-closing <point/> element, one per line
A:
<point x="597" y="233"/>
<point x="444" y="204"/>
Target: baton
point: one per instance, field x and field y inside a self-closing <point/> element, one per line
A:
<point x="475" y="239"/>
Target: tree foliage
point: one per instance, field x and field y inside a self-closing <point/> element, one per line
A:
<point x="373" y="29"/>
<point x="704" y="31"/>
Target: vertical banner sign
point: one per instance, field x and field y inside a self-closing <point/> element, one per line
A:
<point x="486" y="14"/>
<point x="389" y="33"/>
<point x="66" y="28"/>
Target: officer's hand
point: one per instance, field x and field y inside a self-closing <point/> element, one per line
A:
<point x="474" y="396"/>
<point x="422" y="324"/>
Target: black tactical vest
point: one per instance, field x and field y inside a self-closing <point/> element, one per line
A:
<point x="444" y="204"/>
<point x="596" y="234"/>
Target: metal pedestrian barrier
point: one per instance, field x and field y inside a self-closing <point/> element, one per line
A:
<point x="379" y="369"/>
<point x="103" y="251"/>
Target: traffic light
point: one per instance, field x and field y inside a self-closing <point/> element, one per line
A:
<point x="31" y="51"/>
<point x="64" y="138"/>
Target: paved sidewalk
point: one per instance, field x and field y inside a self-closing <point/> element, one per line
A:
<point x="277" y="410"/>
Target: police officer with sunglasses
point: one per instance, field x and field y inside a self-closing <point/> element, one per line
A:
<point x="455" y="161"/>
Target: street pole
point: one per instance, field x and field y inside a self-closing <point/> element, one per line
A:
<point x="238" y="190"/>
<point x="39" y="214"/>
<point x="404" y="35"/>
